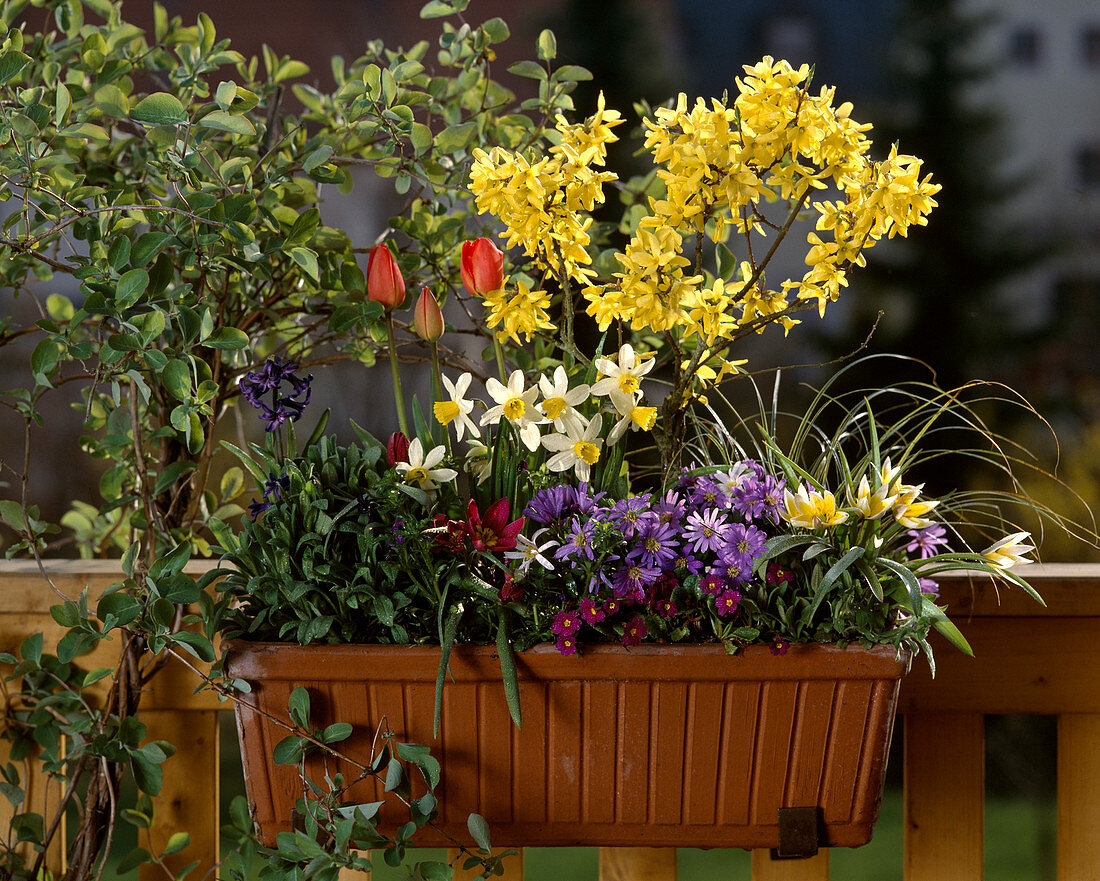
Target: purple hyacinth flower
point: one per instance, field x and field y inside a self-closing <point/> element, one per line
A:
<point x="927" y="540"/>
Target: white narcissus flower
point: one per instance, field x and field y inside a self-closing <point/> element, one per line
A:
<point x="559" y="401"/>
<point x="577" y="450"/>
<point x="477" y="464"/>
<point x="458" y="409"/>
<point x="1009" y="550"/>
<point x="420" y="471"/>
<point x="631" y="415"/>
<point x="625" y="376"/>
<point x="517" y="405"/>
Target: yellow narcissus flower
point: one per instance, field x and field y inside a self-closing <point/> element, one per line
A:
<point x="517" y="405"/>
<point x="624" y="377"/>
<point x="458" y="409"/>
<point x="631" y="415"/>
<point x="559" y="402"/>
<point x="811" y="509"/>
<point x="579" y="450"/>
<point x="1009" y="550"/>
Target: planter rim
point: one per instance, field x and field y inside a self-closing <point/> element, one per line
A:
<point x="268" y="660"/>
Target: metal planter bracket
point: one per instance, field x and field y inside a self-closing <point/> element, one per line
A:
<point x="799" y="833"/>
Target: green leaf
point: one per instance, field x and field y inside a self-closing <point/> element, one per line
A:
<point x="177" y="843"/>
<point x="119" y="608"/>
<point x="31" y="648"/>
<point x="95" y="675"/>
<point x="530" y="69"/>
<point x="11" y="513"/>
<point x="199" y="645"/>
<point x="448" y="641"/>
<point x="130" y="287"/>
<point x="496" y="29"/>
<point x="479" y="830"/>
<point x="227" y="338"/>
<point x="159" y="108"/>
<point x="547" y="46"/>
<point x="436" y="9"/>
<point x="307" y="259"/>
<point x="421" y="137"/>
<point x="227" y="122"/>
<point x="135" y="858"/>
<point x="288" y="751"/>
<point x="571" y="73"/>
<point x="455" y="137"/>
<point x="907" y="577"/>
<point x="170" y="564"/>
<point x="170" y="475"/>
<point x="336" y="732"/>
<point x="835" y="571"/>
<point x="11" y="63"/>
<point x="176" y="377"/>
<point x="146" y="248"/>
<point x="508" y="667"/>
<point x="148" y="775"/>
<point x="299" y="706"/>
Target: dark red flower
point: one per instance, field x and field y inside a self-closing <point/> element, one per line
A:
<point x="492" y="532"/>
<point x="397" y="449"/>
<point x="452" y="534"/>
<point x="510" y="592"/>
<point x="777" y="574"/>
<point x="634" y="631"/>
<point x="779" y="646"/>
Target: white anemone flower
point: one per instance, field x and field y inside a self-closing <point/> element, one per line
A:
<point x="421" y="471"/>
<point x="559" y="401"/>
<point x="1009" y="550"/>
<point x="457" y="409"/>
<point x="625" y="376"/>
<point x="631" y="415"/>
<point x="517" y="405"/>
<point x="579" y="450"/>
<point x="529" y="551"/>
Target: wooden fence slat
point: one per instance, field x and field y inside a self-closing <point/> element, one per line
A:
<point x="764" y="868"/>
<point x="513" y="867"/>
<point x="637" y="864"/>
<point x="1078" y="797"/>
<point x="944" y="796"/>
<point x="188" y="800"/>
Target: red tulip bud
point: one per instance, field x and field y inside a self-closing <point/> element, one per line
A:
<point x="384" y="282"/>
<point x="427" y="317"/>
<point x="397" y="448"/>
<point x="482" y="266"/>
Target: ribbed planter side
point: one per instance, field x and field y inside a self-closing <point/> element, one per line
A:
<point x="652" y="746"/>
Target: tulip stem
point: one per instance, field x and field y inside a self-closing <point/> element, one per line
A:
<point x="398" y="395"/>
<point x="437" y="395"/>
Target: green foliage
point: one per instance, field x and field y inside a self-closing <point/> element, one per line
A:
<point x="162" y="172"/>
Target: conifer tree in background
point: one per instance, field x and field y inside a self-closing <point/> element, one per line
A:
<point x="944" y="292"/>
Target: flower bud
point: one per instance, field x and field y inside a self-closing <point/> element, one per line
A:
<point x="427" y="317"/>
<point x="482" y="266"/>
<point x="384" y="282"/>
<point x="397" y="449"/>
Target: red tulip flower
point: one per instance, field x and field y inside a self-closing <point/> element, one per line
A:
<point x="385" y="283"/>
<point x="397" y="449"/>
<point x="482" y="266"/>
<point x="427" y="317"/>
<point x="492" y="532"/>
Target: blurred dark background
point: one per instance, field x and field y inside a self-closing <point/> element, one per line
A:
<point x="999" y="97"/>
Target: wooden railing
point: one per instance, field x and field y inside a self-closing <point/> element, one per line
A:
<point x="1029" y="659"/>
